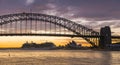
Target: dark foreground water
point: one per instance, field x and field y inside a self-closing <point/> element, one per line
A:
<point x="59" y="57"/>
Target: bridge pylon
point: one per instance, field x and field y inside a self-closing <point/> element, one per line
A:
<point x="105" y="38"/>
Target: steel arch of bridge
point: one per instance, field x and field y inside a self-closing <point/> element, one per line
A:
<point x="76" y="28"/>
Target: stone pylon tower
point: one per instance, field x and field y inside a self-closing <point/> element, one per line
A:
<point x="105" y="32"/>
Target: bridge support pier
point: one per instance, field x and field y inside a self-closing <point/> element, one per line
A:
<point x="105" y="38"/>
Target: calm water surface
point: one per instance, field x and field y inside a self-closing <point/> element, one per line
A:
<point x="59" y="57"/>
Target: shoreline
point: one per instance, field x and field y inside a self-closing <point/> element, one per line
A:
<point x="55" y="49"/>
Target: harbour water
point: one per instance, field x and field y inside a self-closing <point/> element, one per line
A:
<point x="59" y="57"/>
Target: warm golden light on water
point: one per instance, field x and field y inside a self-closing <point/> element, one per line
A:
<point x="58" y="57"/>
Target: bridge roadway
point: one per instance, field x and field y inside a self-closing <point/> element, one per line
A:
<point x="60" y="35"/>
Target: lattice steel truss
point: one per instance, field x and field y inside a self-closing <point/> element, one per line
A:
<point x="76" y="28"/>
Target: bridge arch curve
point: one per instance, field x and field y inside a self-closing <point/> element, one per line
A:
<point x="76" y="28"/>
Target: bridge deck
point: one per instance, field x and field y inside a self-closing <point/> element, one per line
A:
<point x="61" y="35"/>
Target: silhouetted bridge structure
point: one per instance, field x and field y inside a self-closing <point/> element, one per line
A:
<point x="35" y="24"/>
<point x="61" y="35"/>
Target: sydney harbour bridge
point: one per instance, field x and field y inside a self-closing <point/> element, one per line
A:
<point x="36" y="24"/>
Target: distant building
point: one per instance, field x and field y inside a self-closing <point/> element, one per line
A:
<point x="113" y="46"/>
<point x="73" y="45"/>
<point x="46" y="45"/>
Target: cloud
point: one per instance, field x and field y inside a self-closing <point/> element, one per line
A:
<point x="97" y="13"/>
<point x="29" y="2"/>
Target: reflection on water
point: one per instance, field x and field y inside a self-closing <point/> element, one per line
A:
<point x="59" y="57"/>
